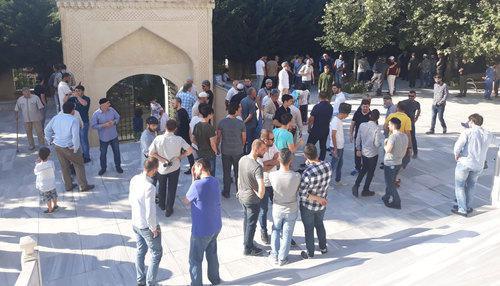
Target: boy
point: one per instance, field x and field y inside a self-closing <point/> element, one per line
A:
<point x="46" y="180"/>
<point x="337" y="140"/>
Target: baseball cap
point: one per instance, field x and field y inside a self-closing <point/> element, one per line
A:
<point x="202" y="94"/>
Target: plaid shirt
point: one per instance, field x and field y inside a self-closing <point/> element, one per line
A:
<point x="315" y="180"/>
<point x="187" y="101"/>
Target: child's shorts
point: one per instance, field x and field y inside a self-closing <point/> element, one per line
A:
<point x="49" y="195"/>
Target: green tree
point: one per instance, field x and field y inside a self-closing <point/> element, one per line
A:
<point x="30" y="34"/>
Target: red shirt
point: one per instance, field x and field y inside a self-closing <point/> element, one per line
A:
<point x="393" y="70"/>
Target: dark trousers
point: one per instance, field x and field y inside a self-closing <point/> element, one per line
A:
<point x="190" y="157"/>
<point x="414" y="138"/>
<point x="250" y="217"/>
<point x="115" y="146"/>
<point x="251" y="136"/>
<point x="368" y="169"/>
<point x="313" y="220"/>
<point x="438" y="110"/>
<point x="229" y="161"/>
<point x="303" y="112"/>
<point x="313" y="139"/>
<point x="264" y="207"/>
<point x="167" y="188"/>
<point x="390" y="173"/>
<point x="200" y="245"/>
<point x="357" y="160"/>
<point x="462" y="85"/>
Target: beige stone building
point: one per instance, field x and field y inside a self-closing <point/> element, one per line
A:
<point x="105" y="41"/>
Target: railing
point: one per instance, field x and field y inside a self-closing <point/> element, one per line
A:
<point x="30" y="260"/>
<point x="495" y="191"/>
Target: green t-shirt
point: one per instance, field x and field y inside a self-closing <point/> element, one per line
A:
<point x="202" y="133"/>
<point x="282" y="138"/>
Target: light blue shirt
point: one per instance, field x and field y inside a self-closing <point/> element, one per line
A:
<point x="147" y="138"/>
<point x="187" y="101"/>
<point x="99" y="118"/>
<point x="472" y="146"/>
<point x="65" y="129"/>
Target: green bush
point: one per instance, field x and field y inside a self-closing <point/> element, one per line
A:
<point x="354" y="87"/>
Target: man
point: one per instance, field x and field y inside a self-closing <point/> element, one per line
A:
<point x="379" y="70"/>
<point x="269" y="163"/>
<point x="439" y="103"/>
<point x="63" y="89"/>
<point x="297" y="65"/>
<point x="260" y="71"/>
<point x="155" y="108"/>
<point x="238" y="97"/>
<point x="204" y="197"/>
<point x="285" y="184"/>
<point x="231" y="92"/>
<point x="283" y="109"/>
<point x="340" y="97"/>
<point x="425" y="71"/>
<point x="145" y="223"/>
<point x="183" y="129"/>
<point x="389" y="105"/>
<point x="367" y="144"/>
<point x="169" y="149"/>
<point x="283" y="79"/>
<point x="313" y="188"/>
<point x="337" y="141"/>
<point x="307" y="74"/>
<point x="392" y="73"/>
<point x="231" y="134"/>
<point x="187" y="98"/>
<point x="470" y="153"/>
<point x="402" y="61"/>
<point x="489" y="79"/>
<point x="263" y="92"/>
<point x="247" y="82"/>
<point x="325" y="61"/>
<point x="65" y="129"/>
<point x="270" y="107"/>
<point x="30" y="107"/>
<point x="413" y="111"/>
<point x="462" y="78"/>
<point x="82" y="103"/>
<point x="272" y="70"/>
<point x="363" y="68"/>
<point x="283" y="137"/>
<point x="52" y="85"/>
<point x="395" y="149"/>
<point x="412" y="70"/>
<point x="318" y="120"/>
<point x="147" y="137"/>
<point x="205" y="86"/>
<point x="405" y="128"/>
<point x="205" y="138"/>
<point x="104" y="120"/>
<point x="251" y="190"/>
<point x="325" y="82"/>
<point x="361" y="115"/>
<point x="41" y="91"/>
<point x="61" y="70"/>
<point x="193" y="91"/>
<point x="202" y="98"/>
<point x="249" y="116"/>
<point x="339" y="67"/>
<point x="441" y="65"/>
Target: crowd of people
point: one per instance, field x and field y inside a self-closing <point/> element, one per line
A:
<point x="257" y="142"/>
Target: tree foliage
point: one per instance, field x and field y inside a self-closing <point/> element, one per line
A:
<point x="30" y="34"/>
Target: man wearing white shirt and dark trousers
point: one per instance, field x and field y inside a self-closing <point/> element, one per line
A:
<point x="144" y="221"/>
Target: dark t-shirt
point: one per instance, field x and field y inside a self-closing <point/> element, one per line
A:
<point x="322" y="113"/>
<point x="411" y="108"/>
<point x="210" y="97"/>
<point x="183" y="125"/>
<point x="39" y="90"/>
<point x="359" y="118"/>
<point x="83" y="110"/>
<point x="203" y="132"/>
<point x="238" y="97"/>
<point x="280" y="111"/>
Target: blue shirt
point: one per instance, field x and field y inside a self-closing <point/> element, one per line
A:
<point x="99" y="117"/>
<point x="204" y="195"/>
<point x="282" y="138"/>
<point x="65" y="129"/>
<point x="247" y="108"/>
<point x="187" y="101"/>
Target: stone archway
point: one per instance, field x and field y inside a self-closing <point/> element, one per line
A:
<point x="105" y="41"/>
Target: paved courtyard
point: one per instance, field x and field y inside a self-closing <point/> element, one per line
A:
<point x="90" y="240"/>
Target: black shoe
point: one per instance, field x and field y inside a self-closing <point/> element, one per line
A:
<point x="455" y="211"/>
<point x="429" y="132"/>
<point x="119" y="170"/>
<point x="415" y="156"/>
<point x="367" y="193"/>
<point x="86" y="160"/>
<point x="168" y="213"/>
<point x="265" y="238"/>
<point x="102" y="171"/>
<point x="88" y="188"/>
<point x="161" y="208"/>
<point x="72" y="187"/>
<point x="141" y="284"/>
<point x="355" y="191"/>
<point x="306" y="255"/>
<point x="226" y="195"/>
<point x="292" y="242"/>
<point x="254" y="252"/>
<point x="444" y="131"/>
<point x="188" y="172"/>
<point x="324" y="251"/>
<point x="393" y="206"/>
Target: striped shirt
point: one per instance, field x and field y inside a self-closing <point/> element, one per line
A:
<point x="315" y="181"/>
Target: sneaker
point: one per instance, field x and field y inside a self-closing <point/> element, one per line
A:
<point x="88" y="188"/>
<point x="455" y="211"/>
<point x="354" y="172"/>
<point x="340" y="184"/>
<point x="273" y="259"/>
<point x="367" y="193"/>
<point x="283" y="262"/>
<point x="254" y="252"/>
<point x="265" y="238"/>
<point x="72" y="187"/>
<point x="355" y="191"/>
<point x="324" y="251"/>
<point x="429" y="132"/>
<point x="119" y="170"/>
<point x="469" y="210"/>
<point x="101" y="172"/>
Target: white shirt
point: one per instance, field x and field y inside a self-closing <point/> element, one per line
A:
<point x="76" y="115"/>
<point x="472" y="146"/>
<point x="283" y="80"/>
<point x="306" y="72"/>
<point x="260" y="65"/>
<point x="269" y="155"/>
<point x="141" y="197"/>
<point x="62" y="90"/>
<point x="45" y="176"/>
<point x="163" y="122"/>
<point x="336" y="124"/>
<point x="265" y="100"/>
<point x="339" y="98"/>
<point x="169" y="147"/>
<point x="193" y="122"/>
<point x="230" y="93"/>
<point x="303" y="98"/>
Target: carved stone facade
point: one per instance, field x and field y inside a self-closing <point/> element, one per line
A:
<point x="105" y="41"/>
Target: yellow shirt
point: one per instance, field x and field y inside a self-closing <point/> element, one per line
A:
<point x="405" y="121"/>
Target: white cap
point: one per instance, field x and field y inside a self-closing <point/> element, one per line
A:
<point x="202" y="94"/>
<point x="240" y="86"/>
<point x="391" y="57"/>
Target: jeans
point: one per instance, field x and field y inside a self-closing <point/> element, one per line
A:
<point x="488" y="88"/>
<point x="283" y="224"/>
<point x="258" y="81"/>
<point x="338" y="77"/>
<point x="145" y="240"/>
<point x="368" y="169"/>
<point x="115" y="146"/>
<point x="391" y="81"/>
<point x="390" y="173"/>
<point x="250" y="216"/>
<point x="337" y="163"/>
<point x="84" y="140"/>
<point x="264" y="206"/>
<point x="200" y="245"/>
<point x="229" y="161"/>
<point x="303" y="112"/>
<point x="438" y="110"/>
<point x="170" y="180"/>
<point x="251" y="136"/>
<point x="313" y="139"/>
<point x="465" y="185"/>
<point x="313" y="220"/>
<point x="414" y="138"/>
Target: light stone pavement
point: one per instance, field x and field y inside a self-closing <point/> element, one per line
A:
<point x="90" y="240"/>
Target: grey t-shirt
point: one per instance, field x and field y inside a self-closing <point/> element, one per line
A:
<point x="248" y="107"/>
<point x="231" y="129"/>
<point x="399" y="142"/>
<point x="249" y="172"/>
<point x="285" y="187"/>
